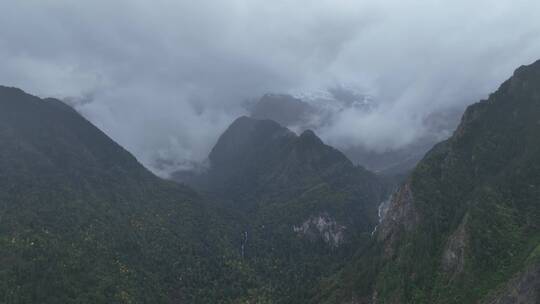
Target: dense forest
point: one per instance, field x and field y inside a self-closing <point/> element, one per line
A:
<point x="465" y="226"/>
<point x="276" y="217"/>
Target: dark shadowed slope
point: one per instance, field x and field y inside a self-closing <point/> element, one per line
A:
<point x="81" y="221"/>
<point x="258" y="163"/>
<point x="300" y="206"/>
<point x="465" y="227"/>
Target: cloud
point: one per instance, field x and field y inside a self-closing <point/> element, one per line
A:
<point x="164" y="78"/>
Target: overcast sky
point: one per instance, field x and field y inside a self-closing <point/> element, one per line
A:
<point x="165" y="77"/>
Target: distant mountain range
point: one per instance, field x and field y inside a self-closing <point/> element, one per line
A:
<point x="318" y="111"/>
<point x="274" y="217"/>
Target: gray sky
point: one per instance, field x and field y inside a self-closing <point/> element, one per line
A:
<point x="164" y="78"/>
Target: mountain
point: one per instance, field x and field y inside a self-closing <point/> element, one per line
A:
<point x="300" y="206"/>
<point x="320" y="111"/>
<point x="259" y="162"/>
<point x="279" y="217"/>
<point x="283" y="109"/>
<point x="81" y="221"/>
<point x="465" y="226"/>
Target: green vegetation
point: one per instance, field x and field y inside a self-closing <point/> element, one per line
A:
<point x="273" y="180"/>
<point x="283" y="219"/>
<point x="485" y="178"/>
<point x="82" y="222"/>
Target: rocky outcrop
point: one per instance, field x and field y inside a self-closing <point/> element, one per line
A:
<point x="524" y="288"/>
<point x="453" y="258"/>
<point x="382" y="210"/>
<point x="401" y="216"/>
<point x="322" y="227"/>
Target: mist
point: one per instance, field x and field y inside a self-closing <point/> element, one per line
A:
<point x="164" y="78"/>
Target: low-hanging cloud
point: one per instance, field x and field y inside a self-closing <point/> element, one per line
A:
<point x="164" y="78"/>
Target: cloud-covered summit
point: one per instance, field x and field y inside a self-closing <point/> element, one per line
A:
<point x="164" y="78"/>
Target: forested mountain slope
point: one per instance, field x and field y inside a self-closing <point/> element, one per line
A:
<point x="465" y="227"/>
<point x="286" y="218"/>
<point x="81" y="221"/>
<point x="301" y="207"/>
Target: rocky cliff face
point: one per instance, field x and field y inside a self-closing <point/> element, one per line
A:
<point x="524" y="288"/>
<point x="322" y="227"/>
<point x="453" y="258"/>
<point x="401" y="217"/>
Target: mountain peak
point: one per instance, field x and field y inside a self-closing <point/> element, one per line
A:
<point x="261" y="156"/>
<point x="533" y="67"/>
<point x="244" y="135"/>
<point x="284" y="109"/>
<point x="310" y="136"/>
<point x="74" y="201"/>
<point x="245" y="122"/>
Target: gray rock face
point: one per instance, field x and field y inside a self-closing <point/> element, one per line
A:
<point x="322" y="227"/>
<point x="401" y="216"/>
<point x="522" y="289"/>
<point x="382" y="210"/>
<point x="453" y="258"/>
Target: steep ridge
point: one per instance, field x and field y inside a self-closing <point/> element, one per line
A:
<point x="81" y="221"/>
<point x="257" y="164"/>
<point x="302" y="205"/>
<point x="465" y="227"/>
